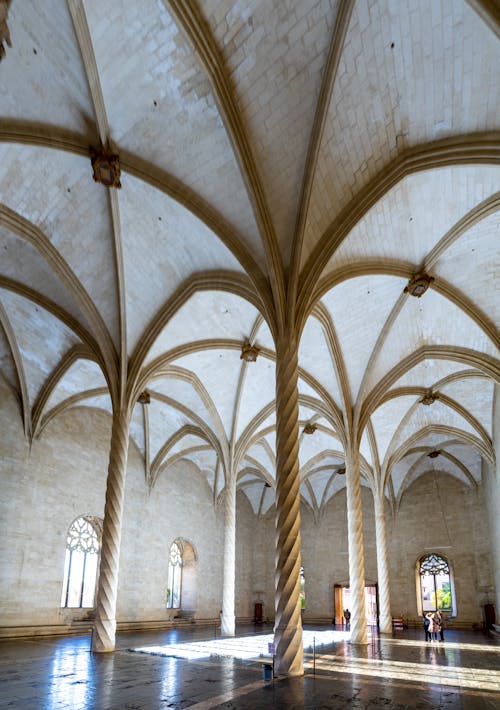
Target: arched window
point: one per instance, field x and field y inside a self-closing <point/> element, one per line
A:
<point x="174" y="577"/>
<point x="81" y="563"/>
<point x="302" y="593"/>
<point x="435" y="583"/>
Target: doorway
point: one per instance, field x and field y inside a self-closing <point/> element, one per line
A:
<point x="342" y="600"/>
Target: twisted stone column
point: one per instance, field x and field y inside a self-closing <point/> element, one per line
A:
<point x="384" y="595"/>
<point x="103" y="634"/>
<point x="356" y="552"/>
<point x="228" y="617"/>
<point x="288" y="622"/>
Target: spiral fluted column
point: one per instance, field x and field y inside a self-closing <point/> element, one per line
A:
<point x="384" y="593"/>
<point x="228" y="617"/>
<point x="356" y="551"/>
<point x="103" y="634"/>
<point x="288" y="622"/>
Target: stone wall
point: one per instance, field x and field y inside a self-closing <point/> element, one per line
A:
<point x="62" y="476"/>
<point x="459" y="531"/>
<point x="45" y="487"/>
<point x="452" y="524"/>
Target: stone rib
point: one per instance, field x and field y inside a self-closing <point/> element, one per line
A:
<point x="103" y="634"/>
<point x="288" y="623"/>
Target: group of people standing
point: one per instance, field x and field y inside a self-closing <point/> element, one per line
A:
<point x="434" y="625"/>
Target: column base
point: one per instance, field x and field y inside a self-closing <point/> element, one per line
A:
<point x="385" y="624"/>
<point x="103" y="636"/>
<point x="359" y="637"/>
<point x="228" y="625"/>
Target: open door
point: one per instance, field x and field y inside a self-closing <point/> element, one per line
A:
<point x="338" y="608"/>
<point x="342" y="600"/>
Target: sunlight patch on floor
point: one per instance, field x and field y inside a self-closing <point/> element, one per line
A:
<point x="445" y="644"/>
<point x="426" y="673"/>
<point x="245" y="647"/>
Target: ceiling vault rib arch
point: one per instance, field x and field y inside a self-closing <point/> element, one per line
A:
<point x="67" y="404"/>
<point x="447" y="401"/>
<point x="120" y="289"/>
<point x="17" y="358"/>
<point x="310" y="467"/>
<point x="147" y="441"/>
<point x="363" y="267"/>
<point x="46" y="136"/>
<point x="221" y="280"/>
<point x="219" y="446"/>
<point x="77" y="352"/>
<point x="180" y="373"/>
<point x="58" y="312"/>
<point x="485" y="363"/>
<point x="191" y="347"/>
<point x="372" y="440"/>
<point x="84" y="40"/>
<point x="407" y="481"/>
<point x="194" y="26"/>
<point x="261" y="501"/>
<point x="377" y="349"/>
<point x="241" y="384"/>
<point x="186" y="430"/>
<point x="476" y="214"/>
<point x="440" y="285"/>
<point x="463" y="436"/>
<point x="321" y="112"/>
<point x="315" y="506"/>
<point x="34" y="236"/>
<point x="459" y="299"/>
<point x="477" y="148"/>
<point x="489" y="12"/>
<point x="337" y="356"/>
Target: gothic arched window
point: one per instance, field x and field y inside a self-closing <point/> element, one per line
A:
<point x="435" y="583"/>
<point x="81" y="563"/>
<point x="302" y="593"/>
<point x="174" y="577"/>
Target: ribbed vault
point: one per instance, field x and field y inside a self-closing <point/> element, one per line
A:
<point x="285" y="168"/>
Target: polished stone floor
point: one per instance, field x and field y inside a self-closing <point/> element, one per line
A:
<point x="395" y="672"/>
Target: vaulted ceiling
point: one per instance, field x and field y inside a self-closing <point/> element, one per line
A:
<point x="301" y="159"/>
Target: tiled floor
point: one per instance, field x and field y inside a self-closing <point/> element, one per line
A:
<point x="401" y="671"/>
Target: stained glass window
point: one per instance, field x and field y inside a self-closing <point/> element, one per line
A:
<point x="435" y="584"/>
<point x="174" y="577"/>
<point x="81" y="563"/>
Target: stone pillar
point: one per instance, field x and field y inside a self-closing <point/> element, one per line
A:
<point x="103" y="634"/>
<point x="491" y="483"/>
<point x="228" y="616"/>
<point x="356" y="551"/>
<point x="288" y="622"/>
<point x="384" y="593"/>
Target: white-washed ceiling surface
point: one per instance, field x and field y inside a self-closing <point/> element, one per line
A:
<point x="334" y="148"/>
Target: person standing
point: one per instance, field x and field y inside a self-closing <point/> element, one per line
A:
<point x="427" y="622"/>
<point x="433" y="625"/>
<point x="440" y="620"/>
<point x="347" y="617"/>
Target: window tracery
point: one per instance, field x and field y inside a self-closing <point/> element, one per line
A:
<point x="81" y="562"/>
<point x="174" y="577"/>
<point x="435" y="583"/>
